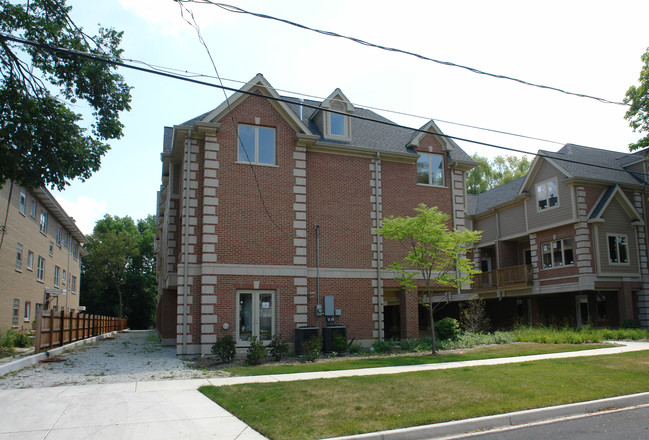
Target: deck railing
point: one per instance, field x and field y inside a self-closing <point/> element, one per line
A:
<point x="508" y="276"/>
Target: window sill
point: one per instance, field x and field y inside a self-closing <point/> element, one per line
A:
<point x="559" y="267"/>
<point x="432" y="186"/>
<point x="270" y="165"/>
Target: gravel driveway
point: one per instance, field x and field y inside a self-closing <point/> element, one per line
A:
<point x="129" y="357"/>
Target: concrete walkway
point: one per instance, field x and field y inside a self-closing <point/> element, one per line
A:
<point x="174" y="409"/>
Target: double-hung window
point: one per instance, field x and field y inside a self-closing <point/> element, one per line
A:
<point x="618" y="249"/>
<point x="32" y="210"/>
<point x="73" y="284"/>
<point x="75" y="250"/>
<point x="546" y="195"/>
<point x="30" y="260"/>
<point x="558" y="253"/>
<point x="14" y="313"/>
<point x="43" y="222"/>
<point x="19" y="256"/>
<point x="40" y="270"/>
<point x="57" y="276"/>
<point x="23" y="202"/>
<point x="430" y="169"/>
<point x="256" y="144"/>
<point x="59" y="235"/>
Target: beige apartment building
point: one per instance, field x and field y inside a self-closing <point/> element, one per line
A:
<point x="40" y="256"/>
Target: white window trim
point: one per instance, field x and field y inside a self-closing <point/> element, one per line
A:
<point x="33" y="209"/>
<point x="608" y="250"/>
<point x="57" y="276"/>
<point x="430" y="174"/>
<point x="255" y="160"/>
<point x="40" y="270"/>
<point x="30" y="260"/>
<point x="73" y="284"/>
<point x="22" y="202"/>
<point x="555" y="181"/>
<point x="43" y="222"/>
<point x="19" y="257"/>
<point x="28" y="311"/>
<point x="563" y="254"/>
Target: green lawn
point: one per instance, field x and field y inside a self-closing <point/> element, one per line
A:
<point x="345" y="406"/>
<point x="488" y="352"/>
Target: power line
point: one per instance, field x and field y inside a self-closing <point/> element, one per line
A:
<point x="227" y="100"/>
<point x="238" y="10"/>
<point x="288" y="101"/>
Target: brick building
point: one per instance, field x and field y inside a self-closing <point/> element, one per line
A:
<point x="568" y="243"/>
<point x="266" y="217"/>
<point x="40" y="249"/>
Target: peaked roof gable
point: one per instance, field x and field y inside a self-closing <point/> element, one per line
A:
<point x="259" y="85"/>
<point x="537" y="163"/>
<point x="337" y="96"/>
<point x="430" y="127"/>
<point x="614" y="192"/>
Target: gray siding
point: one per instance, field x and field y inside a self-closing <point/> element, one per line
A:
<point x="616" y="221"/>
<point x="563" y="212"/>
<point x="512" y="221"/>
<point x="488" y="226"/>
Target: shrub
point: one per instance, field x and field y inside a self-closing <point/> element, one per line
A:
<point x="409" y="345"/>
<point x="277" y="348"/>
<point x="225" y="348"/>
<point x="447" y="329"/>
<point x="356" y="348"/>
<point x="384" y="346"/>
<point x="15" y="338"/>
<point x="339" y="343"/>
<point x="312" y="349"/>
<point x="256" y="352"/>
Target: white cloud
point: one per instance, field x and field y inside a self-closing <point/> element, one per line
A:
<point x="85" y="211"/>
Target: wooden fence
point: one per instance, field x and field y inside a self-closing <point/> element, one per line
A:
<point x="57" y="328"/>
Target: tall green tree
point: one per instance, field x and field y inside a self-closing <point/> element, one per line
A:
<point x="436" y="256"/>
<point x="489" y="174"/>
<point x="638" y="97"/>
<point x="118" y="274"/>
<point x="42" y="142"/>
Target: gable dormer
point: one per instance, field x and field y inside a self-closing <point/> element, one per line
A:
<point x="332" y="118"/>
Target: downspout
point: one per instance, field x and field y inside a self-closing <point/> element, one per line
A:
<point x="379" y="250"/>
<point x="188" y="152"/>
<point x="458" y="289"/>
<point x="317" y="268"/>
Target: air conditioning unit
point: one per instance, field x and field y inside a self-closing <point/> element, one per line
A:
<point x="328" y="336"/>
<point x="303" y="334"/>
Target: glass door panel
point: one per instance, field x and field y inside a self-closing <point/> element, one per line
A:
<point x="245" y="317"/>
<point x="265" y="316"/>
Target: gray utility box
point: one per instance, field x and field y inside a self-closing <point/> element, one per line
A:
<point x="328" y="336"/>
<point x="303" y="334"/>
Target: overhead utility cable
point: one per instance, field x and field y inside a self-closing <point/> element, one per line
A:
<point x="194" y="24"/>
<point x="289" y="101"/>
<point x="238" y="10"/>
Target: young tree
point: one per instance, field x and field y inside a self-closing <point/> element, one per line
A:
<point x="638" y="97"/>
<point x="119" y="270"/>
<point x="41" y="140"/>
<point x="436" y="255"/>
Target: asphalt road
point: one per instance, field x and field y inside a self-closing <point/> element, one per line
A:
<point x="627" y="424"/>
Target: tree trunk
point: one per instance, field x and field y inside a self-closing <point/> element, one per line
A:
<point x="119" y="296"/>
<point x="432" y="326"/>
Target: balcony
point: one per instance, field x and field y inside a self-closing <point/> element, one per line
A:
<point x="507" y="277"/>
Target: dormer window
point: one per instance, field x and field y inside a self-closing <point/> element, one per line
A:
<point x="337" y="124"/>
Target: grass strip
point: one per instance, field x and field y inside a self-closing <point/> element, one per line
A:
<point x="345" y="406"/>
<point x="488" y="352"/>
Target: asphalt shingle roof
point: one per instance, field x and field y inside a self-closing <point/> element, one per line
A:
<point x="496" y="196"/>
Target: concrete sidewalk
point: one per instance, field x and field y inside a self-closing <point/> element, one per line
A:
<point x="174" y="409"/>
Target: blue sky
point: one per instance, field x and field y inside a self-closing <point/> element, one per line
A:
<point x="591" y="47"/>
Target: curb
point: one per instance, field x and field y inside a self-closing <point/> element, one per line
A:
<point x="517" y="418"/>
<point x="28" y="361"/>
